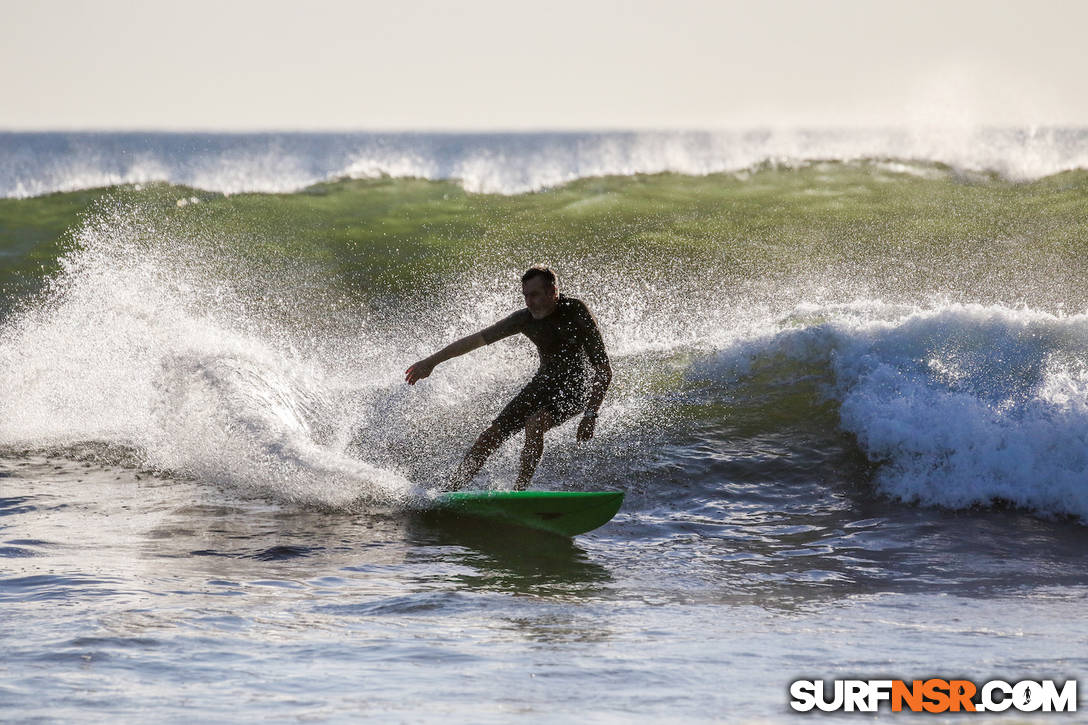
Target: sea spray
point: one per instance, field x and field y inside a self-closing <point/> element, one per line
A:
<point x="136" y="344"/>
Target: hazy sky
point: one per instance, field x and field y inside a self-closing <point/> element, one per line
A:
<point x="557" y="64"/>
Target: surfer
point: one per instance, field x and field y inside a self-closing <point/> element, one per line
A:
<point x="573" y="376"/>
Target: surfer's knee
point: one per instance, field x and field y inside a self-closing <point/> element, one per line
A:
<point x="491" y="438"/>
<point x="538" y="423"/>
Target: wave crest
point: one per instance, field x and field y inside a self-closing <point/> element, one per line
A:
<point x="33" y="164"/>
<point x="957" y="406"/>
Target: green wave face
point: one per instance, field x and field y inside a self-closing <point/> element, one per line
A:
<point x="835" y="229"/>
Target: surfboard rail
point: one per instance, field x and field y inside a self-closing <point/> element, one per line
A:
<point x="565" y="513"/>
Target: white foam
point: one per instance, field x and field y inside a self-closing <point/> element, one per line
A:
<point x="959" y="405"/>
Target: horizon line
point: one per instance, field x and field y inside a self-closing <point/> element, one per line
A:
<point x="556" y="130"/>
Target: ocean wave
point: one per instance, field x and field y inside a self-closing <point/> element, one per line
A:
<point x="33" y="164"/>
<point x="957" y="406"/>
<point x="165" y="336"/>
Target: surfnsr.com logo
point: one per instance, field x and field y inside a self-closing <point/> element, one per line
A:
<point x="933" y="695"/>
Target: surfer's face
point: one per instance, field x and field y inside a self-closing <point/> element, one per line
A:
<point x="540" y="297"/>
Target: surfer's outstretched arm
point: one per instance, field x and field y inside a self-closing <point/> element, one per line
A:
<point x="503" y="328"/>
<point x="424" y="367"/>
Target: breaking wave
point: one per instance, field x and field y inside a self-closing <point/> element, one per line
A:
<point x="32" y="164"/>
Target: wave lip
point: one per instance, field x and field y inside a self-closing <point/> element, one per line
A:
<point x="33" y="164"/>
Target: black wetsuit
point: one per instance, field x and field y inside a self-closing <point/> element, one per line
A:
<point x="569" y="342"/>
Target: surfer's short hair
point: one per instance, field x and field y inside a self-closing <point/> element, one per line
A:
<point x="539" y="270"/>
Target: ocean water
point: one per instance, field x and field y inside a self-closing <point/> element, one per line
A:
<point x="849" y="412"/>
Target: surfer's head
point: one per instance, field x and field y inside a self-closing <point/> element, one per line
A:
<point x="541" y="289"/>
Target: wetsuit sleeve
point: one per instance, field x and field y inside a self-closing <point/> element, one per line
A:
<point x="505" y="327"/>
<point x="591" y="337"/>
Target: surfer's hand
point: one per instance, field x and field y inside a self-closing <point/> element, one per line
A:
<point x="418" y="371"/>
<point x="585" y="428"/>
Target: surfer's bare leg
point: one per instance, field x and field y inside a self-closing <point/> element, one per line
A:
<point x="485" y="445"/>
<point x="538" y="423"/>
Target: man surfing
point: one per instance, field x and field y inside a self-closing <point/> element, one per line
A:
<point x="573" y="376"/>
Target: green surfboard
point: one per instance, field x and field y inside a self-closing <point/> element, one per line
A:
<point x="557" y="512"/>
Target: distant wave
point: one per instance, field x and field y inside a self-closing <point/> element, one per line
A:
<point x="33" y="164"/>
